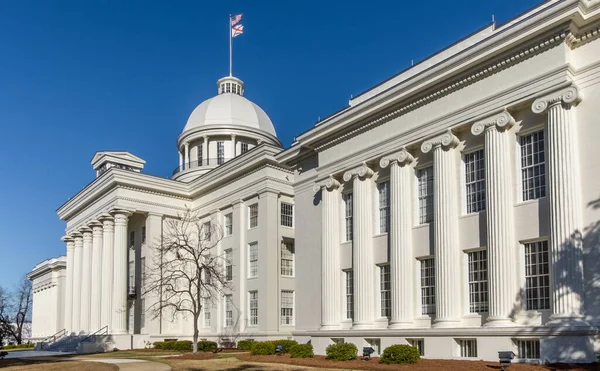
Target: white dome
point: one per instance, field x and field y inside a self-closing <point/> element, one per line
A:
<point x="230" y="108"/>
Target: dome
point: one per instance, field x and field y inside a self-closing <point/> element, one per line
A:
<point x="230" y="108"/>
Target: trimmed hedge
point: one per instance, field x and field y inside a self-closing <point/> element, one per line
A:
<point x="245" y="344"/>
<point x="286" y="344"/>
<point x="263" y="348"/>
<point x="207" y="346"/>
<point x="400" y="353"/>
<point x="186" y="345"/>
<point x="18" y="346"/>
<point x="341" y="352"/>
<point x="301" y="351"/>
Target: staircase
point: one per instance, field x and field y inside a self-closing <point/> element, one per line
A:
<point x="67" y="344"/>
<point x="62" y="342"/>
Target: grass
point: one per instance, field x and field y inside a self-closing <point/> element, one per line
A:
<point x="53" y="364"/>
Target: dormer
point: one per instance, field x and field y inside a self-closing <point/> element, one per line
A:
<point x="105" y="160"/>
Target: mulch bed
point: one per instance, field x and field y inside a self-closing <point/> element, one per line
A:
<point x="422" y="365"/>
<point x="198" y="356"/>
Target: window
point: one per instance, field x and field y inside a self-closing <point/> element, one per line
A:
<point x="287" y="258"/>
<point x="384" y="206"/>
<point x="478" y="281"/>
<point x="142" y="313"/>
<point x="220" y="153"/>
<point x="253" y="211"/>
<point x="427" y="286"/>
<point x="425" y="195"/>
<point x="228" y="224"/>
<point x="537" y="276"/>
<point x="287" y="215"/>
<point x="131" y="277"/>
<point x="349" y="295"/>
<point x="419" y="344"/>
<point x="468" y="347"/>
<point x="337" y="340"/>
<point x="475" y="181"/>
<point x="228" y="265"/>
<point x="348" y="215"/>
<point x="375" y="344"/>
<point x="228" y="311"/>
<point x="206" y="230"/>
<point x="253" y="259"/>
<point x="143" y="272"/>
<point x="131" y="317"/>
<point x="253" y="308"/>
<point x="244" y="147"/>
<point x="200" y="150"/>
<point x="132" y="239"/>
<point x="143" y="235"/>
<point x="528" y="349"/>
<point x="533" y="165"/>
<point x="385" y="289"/>
<point x="287" y="307"/>
<point x="206" y="308"/>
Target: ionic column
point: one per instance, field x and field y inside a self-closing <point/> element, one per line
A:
<point x="180" y="161"/>
<point x="77" y="264"/>
<point x="187" y="155"/>
<point x="108" y="239"/>
<point x="205" y="151"/>
<point x="331" y="274"/>
<point x="362" y="246"/>
<point x="565" y="215"/>
<point x="86" y="279"/>
<point x="445" y="229"/>
<point x="121" y="262"/>
<point x="501" y="243"/>
<point x="401" y="249"/>
<point x="232" y="145"/>
<point x="96" y="290"/>
<point x="69" y="289"/>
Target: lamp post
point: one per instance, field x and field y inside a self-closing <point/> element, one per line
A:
<point x="505" y="358"/>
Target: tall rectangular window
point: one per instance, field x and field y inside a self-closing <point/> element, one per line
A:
<point x="200" y="149"/>
<point x="244" y="147"/>
<point x="349" y="295"/>
<point x="425" y="195"/>
<point x="206" y="309"/>
<point x="131" y="239"/>
<point x="537" y="276"/>
<point x="228" y="224"/>
<point x="228" y="310"/>
<point x="348" y="215"/>
<point x="287" y="258"/>
<point x="220" y="153"/>
<point x="143" y="272"/>
<point x="528" y="349"/>
<point x="287" y="215"/>
<point x="253" y="259"/>
<point x="386" y="291"/>
<point x="143" y="235"/>
<point x="253" y="215"/>
<point x="287" y="307"/>
<point x="206" y="230"/>
<point x="131" y="277"/>
<point x="253" y="308"/>
<point x="427" y="286"/>
<point x="468" y="348"/>
<point x="533" y="165"/>
<point x="419" y="344"/>
<point x="475" y="181"/>
<point x="478" y="282"/>
<point x="228" y="265"/>
<point x="384" y="206"/>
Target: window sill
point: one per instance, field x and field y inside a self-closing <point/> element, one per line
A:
<point x="470" y="215"/>
<point x="535" y="200"/>
<point x="346" y="243"/>
<point x="381" y="234"/>
<point x="284" y="276"/>
<point x="286" y="226"/>
<point x="252" y="278"/>
<point x="251" y="228"/>
<point x="419" y="226"/>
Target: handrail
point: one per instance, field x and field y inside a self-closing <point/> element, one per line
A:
<point x="103" y="329"/>
<point x="54" y="337"/>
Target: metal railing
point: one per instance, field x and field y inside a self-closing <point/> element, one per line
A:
<point x="102" y="331"/>
<point x="204" y="162"/>
<point x="52" y="338"/>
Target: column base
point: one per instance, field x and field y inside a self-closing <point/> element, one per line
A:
<point x="327" y="327"/>
<point x="362" y="326"/>
<point x="446" y="323"/>
<point x="567" y="320"/>
<point x="499" y="322"/>
<point x="119" y="332"/>
<point x="401" y="324"/>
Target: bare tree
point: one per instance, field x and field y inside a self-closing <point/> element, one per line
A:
<point x="15" y="310"/>
<point x="186" y="269"/>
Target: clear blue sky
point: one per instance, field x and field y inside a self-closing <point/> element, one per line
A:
<point x="81" y="76"/>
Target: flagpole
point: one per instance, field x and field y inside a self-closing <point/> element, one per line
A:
<point x="230" y="49"/>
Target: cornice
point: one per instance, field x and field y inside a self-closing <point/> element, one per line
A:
<point x="445" y="140"/>
<point x="502" y="120"/>
<point x="362" y="171"/>
<point x="568" y="96"/>
<point x="401" y="157"/>
<point x="225" y="130"/>
<point x="329" y="184"/>
<point x="578" y="37"/>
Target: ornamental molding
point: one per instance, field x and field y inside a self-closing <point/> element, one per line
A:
<point x="502" y="121"/>
<point x="497" y="64"/>
<point x="362" y="171"/>
<point x="445" y="140"/>
<point x="568" y="96"/>
<point x="401" y="157"/>
<point x="578" y="37"/>
<point x="156" y="193"/>
<point x="329" y="184"/>
<point x="67" y="238"/>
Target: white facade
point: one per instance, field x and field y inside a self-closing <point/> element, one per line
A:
<point x="454" y="206"/>
<point x="114" y="222"/>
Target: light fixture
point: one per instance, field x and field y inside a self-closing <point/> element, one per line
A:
<point x="505" y="358"/>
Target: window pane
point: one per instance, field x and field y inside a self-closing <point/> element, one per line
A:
<point x="533" y="165"/>
<point x="425" y="194"/>
<point x="475" y="181"/>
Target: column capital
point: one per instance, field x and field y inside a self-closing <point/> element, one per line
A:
<point x="362" y="171"/>
<point x="400" y="157"/>
<point x="121" y="216"/>
<point x="186" y="145"/>
<point x="205" y="136"/>
<point x="330" y="184"/>
<point x="233" y="136"/>
<point x="67" y="238"/>
<point x="76" y="235"/>
<point x="104" y="217"/>
<point x="96" y="226"/>
<point x="86" y="232"/>
<point x="568" y="96"/>
<point x="501" y="120"/>
<point x="446" y="139"/>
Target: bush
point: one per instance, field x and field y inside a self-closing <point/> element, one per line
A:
<point x="207" y="346"/>
<point x="341" y="352"/>
<point x="19" y="346"/>
<point x="301" y="351"/>
<point x="263" y="348"/>
<point x="245" y="344"/>
<point x="159" y="345"/>
<point x="400" y="354"/>
<point x="286" y="344"/>
<point x="182" y="345"/>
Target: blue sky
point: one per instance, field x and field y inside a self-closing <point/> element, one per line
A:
<point x="81" y="76"/>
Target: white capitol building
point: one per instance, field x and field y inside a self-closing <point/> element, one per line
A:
<point x="454" y="207"/>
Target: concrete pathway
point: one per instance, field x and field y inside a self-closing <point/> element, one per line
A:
<point x="130" y="364"/>
<point x="34" y="353"/>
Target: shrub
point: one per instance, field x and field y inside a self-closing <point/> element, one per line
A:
<point x="159" y="345"/>
<point x="19" y="346"/>
<point x="207" y="346"/>
<point x="341" y="352"/>
<point x="286" y="344"/>
<point x="263" y="348"/>
<point x="400" y="354"/>
<point x="245" y="344"/>
<point x="182" y="345"/>
<point x="301" y="351"/>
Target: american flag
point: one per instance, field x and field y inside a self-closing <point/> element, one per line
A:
<point x="236" y="19"/>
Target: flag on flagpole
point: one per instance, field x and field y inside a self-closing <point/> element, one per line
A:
<point x="236" y="19"/>
<point x="237" y="30"/>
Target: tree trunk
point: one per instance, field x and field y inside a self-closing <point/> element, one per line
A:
<point x="195" y="338"/>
